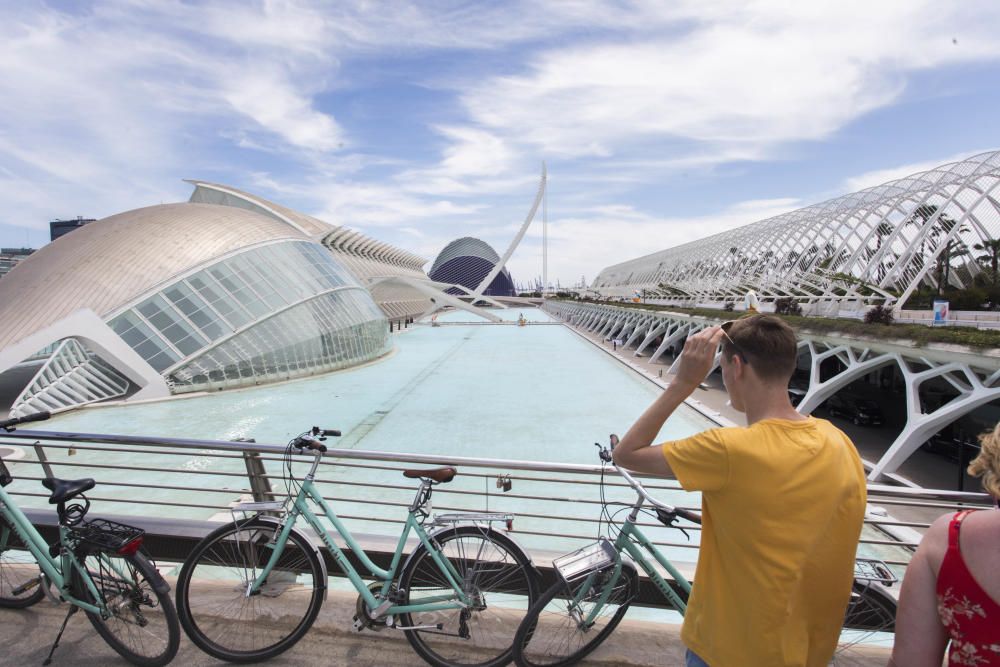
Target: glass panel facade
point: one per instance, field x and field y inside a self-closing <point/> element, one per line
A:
<point x="331" y="331"/>
<point x="323" y="331"/>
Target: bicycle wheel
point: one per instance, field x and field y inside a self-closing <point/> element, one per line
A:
<point x="18" y="568"/>
<point x="494" y="573"/>
<point x="142" y="626"/>
<point x="871" y="610"/>
<point x="554" y="632"/>
<point x="212" y="603"/>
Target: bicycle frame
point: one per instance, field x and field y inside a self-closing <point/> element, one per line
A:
<point x="300" y="507"/>
<point x="629" y="539"/>
<point x="57" y="571"/>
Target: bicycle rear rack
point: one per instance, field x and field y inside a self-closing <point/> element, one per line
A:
<point x="591" y="558"/>
<point x="872" y="570"/>
<point x="471" y="517"/>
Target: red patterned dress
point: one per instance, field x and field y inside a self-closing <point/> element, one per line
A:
<point x="971" y="616"/>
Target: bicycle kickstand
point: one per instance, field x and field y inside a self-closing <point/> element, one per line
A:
<point x="72" y="610"/>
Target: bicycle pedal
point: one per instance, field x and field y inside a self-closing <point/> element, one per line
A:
<point x="358" y="625"/>
<point x="25" y="587"/>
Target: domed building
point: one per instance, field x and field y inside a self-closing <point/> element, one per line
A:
<point x="225" y="290"/>
<point x="467" y="261"/>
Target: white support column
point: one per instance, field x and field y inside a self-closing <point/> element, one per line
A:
<point x="857" y="365"/>
<point x="641" y="328"/>
<point x="679" y="334"/>
<point x="615" y="323"/>
<point x="920" y="426"/>
<point x="651" y="336"/>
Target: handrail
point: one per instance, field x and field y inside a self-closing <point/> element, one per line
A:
<point x="437" y="459"/>
<point x="557" y="507"/>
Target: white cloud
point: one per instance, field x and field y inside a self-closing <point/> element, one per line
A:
<point x="268" y="97"/>
<point x="879" y="176"/>
<point x="583" y="245"/>
<point x="749" y="79"/>
<point x="105" y="107"/>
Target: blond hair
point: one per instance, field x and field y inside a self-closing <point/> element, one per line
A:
<point x="987" y="462"/>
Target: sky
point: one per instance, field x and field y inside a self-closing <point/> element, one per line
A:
<point x="421" y="122"/>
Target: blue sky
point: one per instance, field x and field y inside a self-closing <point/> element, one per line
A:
<point x="417" y="123"/>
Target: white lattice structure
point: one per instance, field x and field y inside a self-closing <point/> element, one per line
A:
<point x="70" y="377"/>
<point x="879" y="244"/>
<point x="974" y="374"/>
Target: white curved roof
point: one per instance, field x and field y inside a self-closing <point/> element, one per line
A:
<point x="107" y="263"/>
<point x="339" y="239"/>
<point x="883" y="242"/>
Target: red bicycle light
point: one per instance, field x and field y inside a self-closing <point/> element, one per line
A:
<point x="510" y="525"/>
<point x="130" y="547"/>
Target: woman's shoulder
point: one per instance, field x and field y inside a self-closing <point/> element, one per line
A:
<point x="935" y="541"/>
<point x="982" y="529"/>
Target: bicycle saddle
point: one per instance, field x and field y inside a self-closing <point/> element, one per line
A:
<point x="64" y="489"/>
<point x="440" y="475"/>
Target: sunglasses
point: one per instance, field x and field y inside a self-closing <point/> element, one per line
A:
<point x="726" y="326"/>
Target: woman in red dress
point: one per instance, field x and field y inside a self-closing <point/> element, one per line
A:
<point x="951" y="591"/>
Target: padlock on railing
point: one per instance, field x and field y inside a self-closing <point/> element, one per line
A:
<point x="503" y="482"/>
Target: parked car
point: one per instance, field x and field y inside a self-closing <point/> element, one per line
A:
<point x="858" y="410"/>
<point x="951" y="447"/>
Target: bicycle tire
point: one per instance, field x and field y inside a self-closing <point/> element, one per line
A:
<point x="495" y="572"/>
<point x="17" y="567"/>
<point x="142" y="626"/>
<point x="871" y="609"/>
<point x="226" y="624"/>
<point x="550" y="636"/>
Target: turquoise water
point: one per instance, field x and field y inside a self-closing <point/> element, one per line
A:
<point x="535" y="392"/>
<point x="538" y="393"/>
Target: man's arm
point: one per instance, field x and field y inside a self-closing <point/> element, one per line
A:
<point x="634" y="451"/>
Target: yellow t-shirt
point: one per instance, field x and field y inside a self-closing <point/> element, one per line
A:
<point x="783" y="503"/>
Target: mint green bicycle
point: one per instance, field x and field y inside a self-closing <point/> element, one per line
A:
<point x="96" y="566"/>
<point x="596" y="585"/>
<point x="253" y="587"/>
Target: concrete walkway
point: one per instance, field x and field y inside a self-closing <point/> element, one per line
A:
<point x="26" y="636"/>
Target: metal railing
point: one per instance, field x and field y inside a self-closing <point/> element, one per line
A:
<point x="179" y="488"/>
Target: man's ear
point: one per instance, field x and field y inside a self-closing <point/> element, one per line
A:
<point x="739" y="367"/>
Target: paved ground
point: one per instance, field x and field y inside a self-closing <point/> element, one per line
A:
<point x="26" y="636"/>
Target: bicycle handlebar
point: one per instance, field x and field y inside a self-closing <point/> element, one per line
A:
<point x="605" y="455"/>
<point x="693" y="517"/>
<point x="309" y="442"/>
<point x="35" y="417"/>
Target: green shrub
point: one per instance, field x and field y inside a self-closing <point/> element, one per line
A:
<point x="880" y="314"/>
<point x="786" y="305"/>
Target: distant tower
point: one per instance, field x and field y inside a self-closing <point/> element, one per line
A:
<point x="545" y="229"/>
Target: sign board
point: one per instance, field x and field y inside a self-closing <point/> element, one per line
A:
<point x="940" y="311"/>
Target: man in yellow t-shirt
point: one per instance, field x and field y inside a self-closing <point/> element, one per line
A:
<point x="783" y="502"/>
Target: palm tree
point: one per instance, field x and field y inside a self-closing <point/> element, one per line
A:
<point x="991" y="248"/>
<point x="943" y="226"/>
<point x="881" y="231"/>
